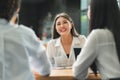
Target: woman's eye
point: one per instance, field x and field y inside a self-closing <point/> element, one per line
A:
<point x="65" y="22"/>
<point x="58" y="24"/>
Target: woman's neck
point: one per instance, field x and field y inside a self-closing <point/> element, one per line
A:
<point x="66" y="39"/>
<point x="66" y="43"/>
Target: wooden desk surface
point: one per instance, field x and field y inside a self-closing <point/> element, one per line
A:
<point x="64" y="74"/>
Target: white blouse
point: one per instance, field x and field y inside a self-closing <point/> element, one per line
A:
<point x="57" y="55"/>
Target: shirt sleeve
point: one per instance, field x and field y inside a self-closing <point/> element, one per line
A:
<point x="50" y="52"/>
<point x="37" y="53"/>
<point x="85" y="58"/>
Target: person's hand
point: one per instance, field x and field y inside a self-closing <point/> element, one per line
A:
<point x="36" y="73"/>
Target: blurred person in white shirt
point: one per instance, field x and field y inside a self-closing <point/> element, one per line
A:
<point x="102" y="46"/>
<point x="19" y="47"/>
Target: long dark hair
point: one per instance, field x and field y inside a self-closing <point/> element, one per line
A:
<point x="8" y="8"/>
<point x="55" y="34"/>
<point x="106" y="14"/>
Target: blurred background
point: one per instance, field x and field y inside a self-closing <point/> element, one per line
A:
<point x="39" y="15"/>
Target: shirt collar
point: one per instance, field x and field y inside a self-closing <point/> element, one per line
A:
<point x="58" y="42"/>
<point x="75" y="41"/>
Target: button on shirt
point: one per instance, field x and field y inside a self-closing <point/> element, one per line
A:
<point x="17" y="44"/>
<point x="57" y="55"/>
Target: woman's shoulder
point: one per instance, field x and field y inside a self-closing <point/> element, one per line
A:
<point x="26" y="31"/>
<point x="80" y="40"/>
<point x="100" y="32"/>
<point x="102" y="35"/>
<point x="83" y="37"/>
<point x="25" y="28"/>
<point x="53" y="41"/>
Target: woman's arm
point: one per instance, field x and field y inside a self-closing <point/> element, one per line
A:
<point x="85" y="58"/>
<point x="51" y="52"/>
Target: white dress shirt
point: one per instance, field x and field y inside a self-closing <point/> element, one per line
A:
<point x="57" y="55"/>
<point x="100" y="45"/>
<point x="17" y="44"/>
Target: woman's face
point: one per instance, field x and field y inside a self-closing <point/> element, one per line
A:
<point x="63" y="26"/>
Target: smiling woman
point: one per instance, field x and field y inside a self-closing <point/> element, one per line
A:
<point x="60" y="49"/>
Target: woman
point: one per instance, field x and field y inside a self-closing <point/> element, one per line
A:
<point x="103" y="43"/>
<point x="64" y="41"/>
<point x="18" y="46"/>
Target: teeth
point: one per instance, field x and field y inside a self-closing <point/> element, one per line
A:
<point x="63" y="30"/>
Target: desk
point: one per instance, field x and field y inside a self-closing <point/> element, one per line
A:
<point x="64" y="74"/>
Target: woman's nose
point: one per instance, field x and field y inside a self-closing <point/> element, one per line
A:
<point x="61" y="25"/>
